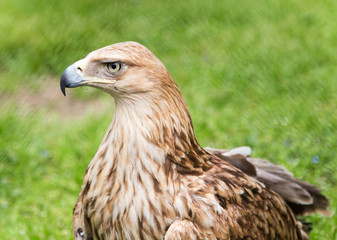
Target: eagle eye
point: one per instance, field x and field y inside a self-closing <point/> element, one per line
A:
<point x="114" y="67"/>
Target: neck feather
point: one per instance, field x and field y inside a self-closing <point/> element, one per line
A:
<point x="159" y="126"/>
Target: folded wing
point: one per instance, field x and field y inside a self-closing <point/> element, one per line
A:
<point x="302" y="197"/>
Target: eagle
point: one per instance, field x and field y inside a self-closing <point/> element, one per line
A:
<point x="150" y="178"/>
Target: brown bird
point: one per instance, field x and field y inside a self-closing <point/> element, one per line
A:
<point x="150" y="179"/>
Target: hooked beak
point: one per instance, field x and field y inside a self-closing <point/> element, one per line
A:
<point x="70" y="78"/>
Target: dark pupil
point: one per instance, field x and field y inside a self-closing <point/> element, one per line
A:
<point x="114" y="66"/>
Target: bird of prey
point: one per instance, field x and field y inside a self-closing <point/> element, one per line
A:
<point x="150" y="179"/>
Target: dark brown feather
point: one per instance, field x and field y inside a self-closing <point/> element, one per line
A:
<point x="302" y="197"/>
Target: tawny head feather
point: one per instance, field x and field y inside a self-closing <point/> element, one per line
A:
<point x="123" y="70"/>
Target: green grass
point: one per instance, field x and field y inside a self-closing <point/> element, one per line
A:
<point x="257" y="73"/>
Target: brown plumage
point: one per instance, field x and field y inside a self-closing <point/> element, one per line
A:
<point x="150" y="179"/>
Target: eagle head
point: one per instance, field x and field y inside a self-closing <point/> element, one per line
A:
<point x="124" y="70"/>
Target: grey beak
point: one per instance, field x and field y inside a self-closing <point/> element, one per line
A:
<point x="70" y="79"/>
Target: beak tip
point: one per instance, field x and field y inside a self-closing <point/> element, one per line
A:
<point x="63" y="86"/>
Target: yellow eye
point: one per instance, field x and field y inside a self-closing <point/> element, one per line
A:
<point x="114" y="67"/>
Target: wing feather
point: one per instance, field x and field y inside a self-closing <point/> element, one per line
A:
<point x="302" y="197"/>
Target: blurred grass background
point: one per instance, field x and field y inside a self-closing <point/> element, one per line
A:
<point x="257" y="73"/>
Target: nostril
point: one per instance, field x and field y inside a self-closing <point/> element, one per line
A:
<point x="79" y="70"/>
